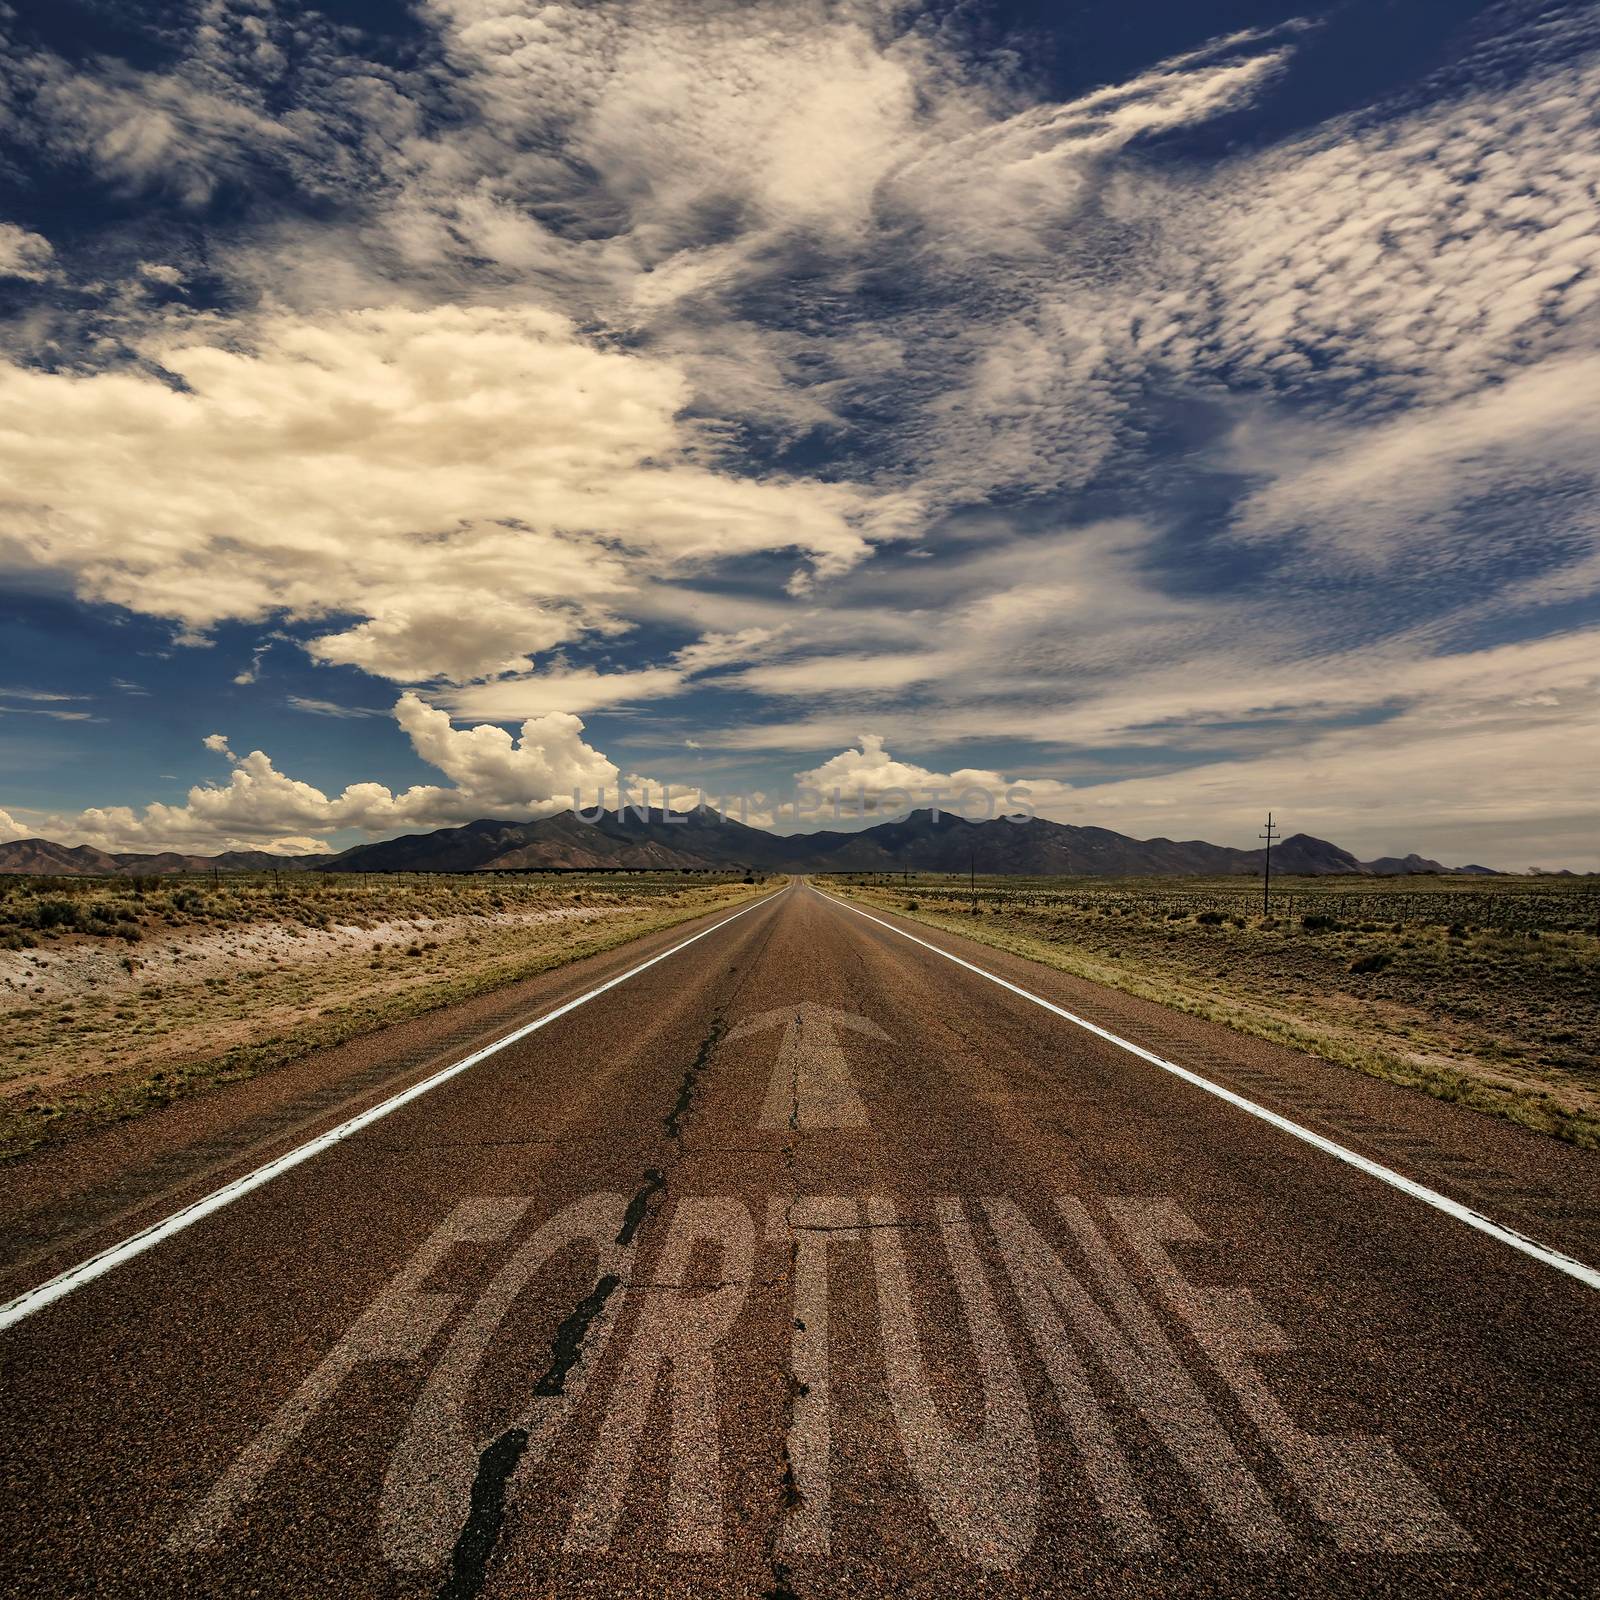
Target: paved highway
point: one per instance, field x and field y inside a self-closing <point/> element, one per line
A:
<point x="787" y="1256"/>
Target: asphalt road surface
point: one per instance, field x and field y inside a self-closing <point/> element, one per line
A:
<point x="807" y="1261"/>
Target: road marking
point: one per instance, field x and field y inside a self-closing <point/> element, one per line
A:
<point x="1355" y="1483"/>
<point x="677" y="1333"/>
<point x="982" y="1490"/>
<point x="1418" y="1191"/>
<point x="979" y="1480"/>
<point x="398" y="1326"/>
<point x="1141" y="1360"/>
<point x="811" y="1084"/>
<point x="428" y="1488"/>
<point x="13" y="1311"/>
<point x="809" y="1226"/>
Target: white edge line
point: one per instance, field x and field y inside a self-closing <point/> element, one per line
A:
<point x="64" y="1283"/>
<point x="1373" y="1169"/>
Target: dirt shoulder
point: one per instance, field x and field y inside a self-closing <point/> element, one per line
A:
<point x="1500" y="1014"/>
<point x="219" y="984"/>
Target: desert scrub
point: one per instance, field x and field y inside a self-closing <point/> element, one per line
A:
<point x="1485" y="993"/>
<point x="230" y="983"/>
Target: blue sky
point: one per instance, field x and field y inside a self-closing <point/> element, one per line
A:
<point x="412" y="413"/>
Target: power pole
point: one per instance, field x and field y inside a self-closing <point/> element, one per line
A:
<point x="1266" y="876"/>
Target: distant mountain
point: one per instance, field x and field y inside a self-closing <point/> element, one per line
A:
<point x="1391" y="866"/>
<point x="46" y="858"/>
<point x="703" y="839"/>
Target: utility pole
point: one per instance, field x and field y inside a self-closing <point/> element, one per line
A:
<point x="1266" y="876"/>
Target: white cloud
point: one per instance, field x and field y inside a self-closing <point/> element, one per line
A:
<point x="1463" y="772"/>
<point x="714" y="650"/>
<point x="1380" y="491"/>
<point x="25" y="255"/>
<point x="843" y="674"/>
<point x="1416" y="256"/>
<point x="542" y="769"/>
<point x="539" y="694"/>
<point x="11" y="829"/>
<point x="329" y="708"/>
<point x="514" y="484"/>
<point x="548" y="763"/>
<point x="162" y="272"/>
<point x="871" y="773"/>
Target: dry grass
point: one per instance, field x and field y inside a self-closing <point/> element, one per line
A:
<point x="133" y="999"/>
<point x="1482" y="992"/>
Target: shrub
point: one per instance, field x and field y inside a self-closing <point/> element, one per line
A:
<point x="55" y="914"/>
<point x="1319" y="923"/>
<point x="1375" y="962"/>
<point x="1210" y="919"/>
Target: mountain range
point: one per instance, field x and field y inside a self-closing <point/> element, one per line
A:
<point x="705" y="840"/>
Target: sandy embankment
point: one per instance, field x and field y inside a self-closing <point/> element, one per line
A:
<point x="77" y="969"/>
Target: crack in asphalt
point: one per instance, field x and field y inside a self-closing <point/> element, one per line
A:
<point x="673" y="1120"/>
<point x="703" y="1288"/>
<point x="655" y="1181"/>
<point x="845" y="1227"/>
<point x="780" y="1589"/>
<point x="497" y="1462"/>
<point x="480" y="1533"/>
<point x="790" y="1493"/>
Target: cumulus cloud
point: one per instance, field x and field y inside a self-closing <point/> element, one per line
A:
<point x="538" y="771"/>
<point x="543" y="767"/>
<point x="11" y="829"/>
<point x="872" y="774"/>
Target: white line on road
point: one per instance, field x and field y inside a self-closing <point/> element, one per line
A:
<point x="1418" y="1191"/>
<point x="136" y="1244"/>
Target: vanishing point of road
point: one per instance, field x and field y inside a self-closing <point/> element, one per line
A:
<point x="803" y="1251"/>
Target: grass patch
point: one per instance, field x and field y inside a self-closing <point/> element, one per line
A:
<point x="120" y="1049"/>
<point x="1488" y="997"/>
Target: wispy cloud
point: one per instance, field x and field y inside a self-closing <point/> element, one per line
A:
<point x="791" y="354"/>
<point x="42" y="703"/>
<point x="330" y="708"/>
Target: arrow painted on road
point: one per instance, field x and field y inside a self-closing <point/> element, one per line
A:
<point x="811" y="1084"/>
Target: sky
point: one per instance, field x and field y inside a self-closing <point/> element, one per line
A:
<point x="412" y="413"/>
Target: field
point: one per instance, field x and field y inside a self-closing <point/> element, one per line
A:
<point x="1484" y="992"/>
<point x="117" y="995"/>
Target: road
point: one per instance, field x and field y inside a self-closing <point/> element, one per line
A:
<point x="807" y="1261"/>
